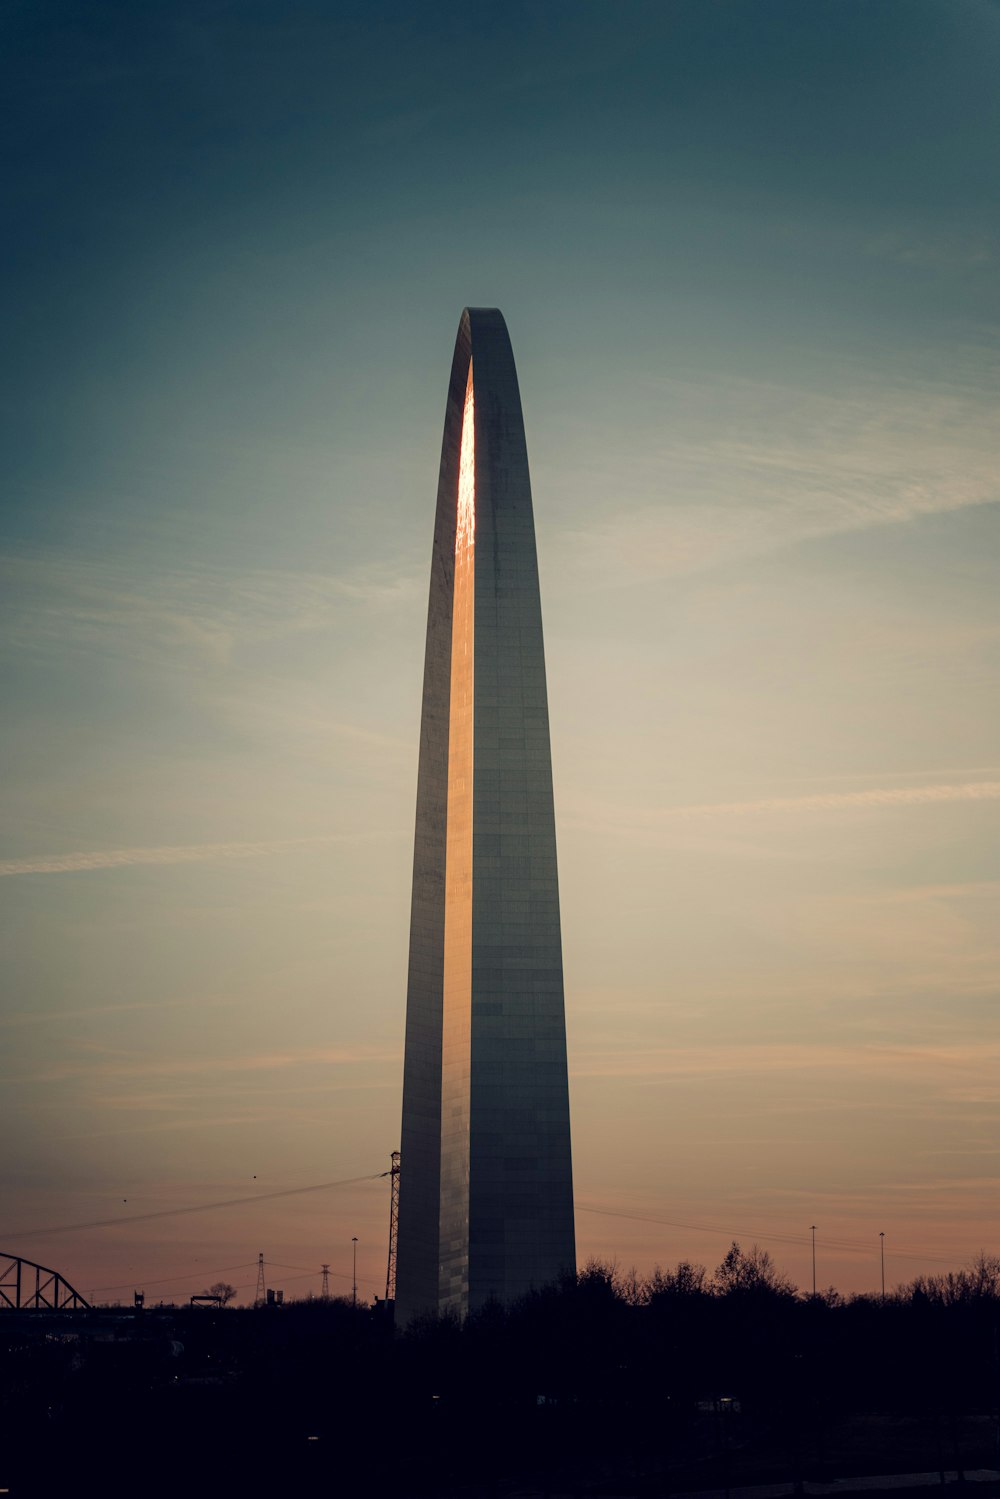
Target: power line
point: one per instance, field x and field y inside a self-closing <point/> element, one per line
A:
<point x="340" y="1274"/>
<point x="695" y="1227"/>
<point x="202" y="1207"/>
<point x="192" y="1275"/>
<point x="283" y="1265"/>
<point x="163" y="1279"/>
<point x="799" y="1241"/>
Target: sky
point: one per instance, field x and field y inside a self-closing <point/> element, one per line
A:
<point x="748" y="255"/>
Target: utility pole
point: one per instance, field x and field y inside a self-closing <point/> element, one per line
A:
<point x="881" y="1242"/>
<point x="812" y="1230"/>
<point x="390" y="1273"/>
<point x="260" y="1296"/>
<point x="354" y="1287"/>
<point x="325" y="1292"/>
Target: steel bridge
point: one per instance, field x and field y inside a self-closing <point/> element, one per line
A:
<point x="25" y="1286"/>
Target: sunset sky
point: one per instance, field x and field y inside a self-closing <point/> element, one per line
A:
<point x="748" y="254"/>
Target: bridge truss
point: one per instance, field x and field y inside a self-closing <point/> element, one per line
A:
<point x="25" y="1286"/>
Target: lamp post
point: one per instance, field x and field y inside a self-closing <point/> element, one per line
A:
<point x="354" y="1286"/>
<point x="812" y="1230"/>
<point x="881" y="1243"/>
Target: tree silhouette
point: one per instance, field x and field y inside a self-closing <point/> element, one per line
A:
<point x="750" y="1272"/>
<point x="223" y="1290"/>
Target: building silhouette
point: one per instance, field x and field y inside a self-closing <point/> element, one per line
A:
<point x="485" y="1189"/>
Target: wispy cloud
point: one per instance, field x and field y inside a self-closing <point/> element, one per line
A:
<point x="199" y="611"/>
<point x="954" y="1069"/>
<point x="934" y="252"/>
<point x="202" y="1002"/>
<point x="210" y="853"/>
<point x="834" y="801"/>
<point x="108" y="1069"/>
<point x="184" y="853"/>
<point x="605" y="817"/>
<point x="732" y="469"/>
<point x="906" y="775"/>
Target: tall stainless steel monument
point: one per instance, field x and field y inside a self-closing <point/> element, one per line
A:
<point x="486" y="1187"/>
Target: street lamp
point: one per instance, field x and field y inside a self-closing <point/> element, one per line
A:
<point x="812" y="1230"/>
<point x="354" y="1287"/>
<point x="881" y="1242"/>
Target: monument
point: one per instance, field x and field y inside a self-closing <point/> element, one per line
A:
<point x="485" y="1187"/>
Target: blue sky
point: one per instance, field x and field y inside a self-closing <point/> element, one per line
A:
<point x="748" y="255"/>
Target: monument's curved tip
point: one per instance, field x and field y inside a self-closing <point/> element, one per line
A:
<point x="485" y="319"/>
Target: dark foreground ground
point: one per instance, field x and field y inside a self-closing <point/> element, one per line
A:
<point x="584" y="1390"/>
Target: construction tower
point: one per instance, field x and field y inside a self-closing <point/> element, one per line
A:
<point x="390" y="1274"/>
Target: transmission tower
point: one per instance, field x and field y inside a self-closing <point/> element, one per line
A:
<point x="390" y="1274"/>
<point x="325" y="1292"/>
<point x="260" y="1296"/>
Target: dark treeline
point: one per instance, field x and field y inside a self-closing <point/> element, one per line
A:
<point x="609" y="1382"/>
